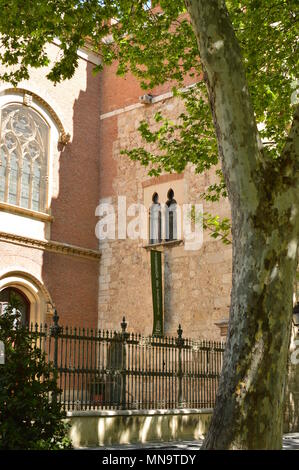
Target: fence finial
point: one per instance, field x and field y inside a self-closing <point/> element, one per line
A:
<point x="130" y="362"/>
<point x="55" y="317"/>
<point x="55" y="329"/>
<point x="179" y="339"/>
<point x="124" y="325"/>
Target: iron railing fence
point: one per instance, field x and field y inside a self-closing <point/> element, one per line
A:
<point x="120" y="370"/>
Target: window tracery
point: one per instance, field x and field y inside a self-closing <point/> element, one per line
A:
<point x="23" y="157"/>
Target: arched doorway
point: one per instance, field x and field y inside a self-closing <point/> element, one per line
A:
<point x="35" y="295"/>
<point x="6" y="295"/>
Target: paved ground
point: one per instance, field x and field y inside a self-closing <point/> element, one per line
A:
<point x="290" y="442"/>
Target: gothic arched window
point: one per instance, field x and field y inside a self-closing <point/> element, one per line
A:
<point x="15" y="296"/>
<point x="23" y="157"/>
<point x="155" y="220"/>
<point x="170" y="217"/>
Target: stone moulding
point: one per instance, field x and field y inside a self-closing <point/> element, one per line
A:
<point x="44" y="217"/>
<point x="162" y="179"/>
<point x="131" y="107"/>
<point x="28" y="96"/>
<point x="163" y="245"/>
<point x="53" y="246"/>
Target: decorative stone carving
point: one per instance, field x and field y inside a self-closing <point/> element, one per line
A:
<point x="27" y="99"/>
<point x="64" y="138"/>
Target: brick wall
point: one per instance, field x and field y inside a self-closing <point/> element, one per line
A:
<point x="71" y="281"/>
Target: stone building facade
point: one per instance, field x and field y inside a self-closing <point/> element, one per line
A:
<point x="196" y="283"/>
<point x="50" y="254"/>
<point x="49" y="190"/>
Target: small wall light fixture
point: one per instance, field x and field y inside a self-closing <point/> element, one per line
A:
<point x="146" y="99"/>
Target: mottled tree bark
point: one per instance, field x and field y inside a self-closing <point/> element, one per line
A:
<point x="264" y="198"/>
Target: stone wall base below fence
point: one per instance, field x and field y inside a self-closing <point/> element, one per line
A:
<point x="102" y="428"/>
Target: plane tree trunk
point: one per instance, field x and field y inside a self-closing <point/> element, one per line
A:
<point x="264" y="198"/>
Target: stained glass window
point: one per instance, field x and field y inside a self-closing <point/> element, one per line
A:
<point x="23" y="157"/>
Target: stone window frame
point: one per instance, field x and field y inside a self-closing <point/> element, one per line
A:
<point x="41" y="303"/>
<point x="26" y="159"/>
<point x="155" y="221"/>
<point x="22" y="297"/>
<point x="55" y="138"/>
<point x="162" y="186"/>
<point x="171" y="222"/>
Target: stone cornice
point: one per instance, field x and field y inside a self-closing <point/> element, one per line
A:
<point x="161" y="246"/>
<point x="49" y="245"/>
<point x="131" y="107"/>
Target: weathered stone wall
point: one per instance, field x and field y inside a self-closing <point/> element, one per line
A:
<point x="196" y="283"/>
<point x="105" y="428"/>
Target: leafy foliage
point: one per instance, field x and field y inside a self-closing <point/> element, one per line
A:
<point x="29" y="420"/>
<point x="159" y="45"/>
<point x="190" y="140"/>
<point x="27" y="27"/>
<point x="218" y="228"/>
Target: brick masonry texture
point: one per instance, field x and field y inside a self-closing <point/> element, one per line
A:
<point x="72" y="282"/>
<point x="196" y="284"/>
<point x="89" y="169"/>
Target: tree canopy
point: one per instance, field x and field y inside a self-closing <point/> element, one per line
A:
<point x="156" y="42"/>
<point x="157" y="45"/>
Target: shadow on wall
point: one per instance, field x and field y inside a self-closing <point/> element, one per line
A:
<point x="73" y="281"/>
<point x="113" y="428"/>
